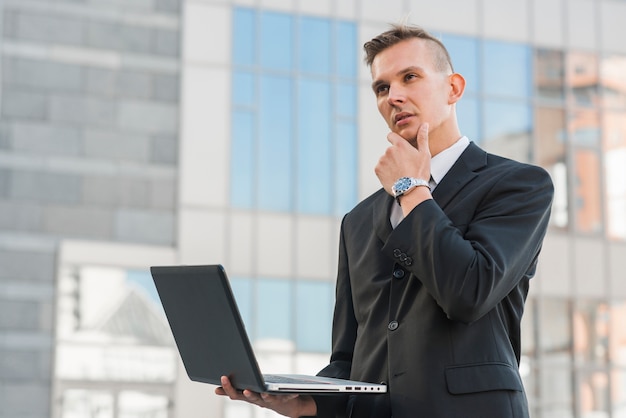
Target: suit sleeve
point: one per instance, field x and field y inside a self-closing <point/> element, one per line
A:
<point x="468" y="269"/>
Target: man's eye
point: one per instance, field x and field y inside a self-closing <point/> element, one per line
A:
<point x="381" y="89"/>
<point x="410" y="77"/>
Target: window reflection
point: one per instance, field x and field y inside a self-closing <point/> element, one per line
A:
<point x="613" y="73"/>
<point x="314" y="165"/>
<point x="314" y="307"/>
<point x="274" y="159"/>
<point x="345" y="192"/>
<point x="592" y="390"/>
<point x="507" y="129"/>
<point x="549" y="75"/>
<point x="555" y="393"/>
<point x="242" y="168"/>
<point x="468" y="114"/>
<point x="314" y="40"/>
<point x="244" y="88"/>
<point x="584" y="127"/>
<point x="293" y="135"/>
<point x="582" y="79"/>
<point x="244" y="46"/>
<point x="275" y="44"/>
<point x="591" y="332"/>
<point x="617" y="347"/>
<point x="242" y="289"/>
<point x="463" y="51"/>
<point x="345" y="51"/>
<point x="587" y="205"/>
<point x="345" y="100"/>
<point x="506" y="70"/>
<point x="618" y="393"/>
<point x="614" y="140"/>
<point x="551" y="136"/>
<point x="555" y="336"/>
<point x="274" y="310"/>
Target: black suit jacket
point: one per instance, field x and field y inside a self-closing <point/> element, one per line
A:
<point x="433" y="307"/>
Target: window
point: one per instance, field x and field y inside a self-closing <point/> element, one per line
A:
<point x="287" y="313"/>
<point x="507" y="86"/>
<point x="294" y="143"/>
<point x="551" y="154"/>
<point x="549" y="76"/>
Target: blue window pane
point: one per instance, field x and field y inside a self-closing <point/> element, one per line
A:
<point x="244" y="34"/>
<point x="507" y="69"/>
<point x="314" y="147"/>
<point x="242" y="164"/>
<point x="314" y="308"/>
<point x="506" y="119"/>
<point x="242" y="289"/>
<point x="345" y="181"/>
<point x="346" y="48"/>
<point x="276" y="41"/>
<point x="274" y="309"/>
<point x="468" y="115"/>
<point x="507" y="128"/>
<point x="243" y="89"/>
<point x="275" y="132"/>
<point x="464" y="54"/>
<point x="345" y="100"/>
<point x="314" y="47"/>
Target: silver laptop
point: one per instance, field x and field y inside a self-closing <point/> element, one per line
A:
<point x="212" y="340"/>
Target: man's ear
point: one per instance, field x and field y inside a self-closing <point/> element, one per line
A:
<point x="457" y="87"/>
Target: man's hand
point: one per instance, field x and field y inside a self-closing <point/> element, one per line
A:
<point x="289" y="405"/>
<point x="401" y="159"/>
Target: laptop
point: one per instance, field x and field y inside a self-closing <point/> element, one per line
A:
<point x="212" y="340"/>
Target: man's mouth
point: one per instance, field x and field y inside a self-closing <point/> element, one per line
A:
<point x="400" y="117"/>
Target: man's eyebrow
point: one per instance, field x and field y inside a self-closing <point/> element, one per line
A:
<point x="377" y="83"/>
<point x="410" y="69"/>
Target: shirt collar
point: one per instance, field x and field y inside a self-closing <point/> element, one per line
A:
<point x="441" y="163"/>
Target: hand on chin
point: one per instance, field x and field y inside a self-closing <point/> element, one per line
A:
<point x="409" y="134"/>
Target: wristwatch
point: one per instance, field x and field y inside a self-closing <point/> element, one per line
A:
<point x="405" y="184"/>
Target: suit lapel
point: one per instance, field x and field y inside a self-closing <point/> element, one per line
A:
<point x="462" y="172"/>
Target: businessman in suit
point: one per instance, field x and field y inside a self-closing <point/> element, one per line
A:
<point x="434" y="268"/>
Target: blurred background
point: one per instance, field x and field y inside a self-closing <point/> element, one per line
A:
<point x="148" y="132"/>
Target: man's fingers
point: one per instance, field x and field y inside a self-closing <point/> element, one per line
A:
<point x="394" y="138"/>
<point x="422" y="137"/>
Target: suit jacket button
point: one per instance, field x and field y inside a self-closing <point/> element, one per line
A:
<point x="397" y="252"/>
<point x="393" y="325"/>
<point x="398" y="274"/>
<point x="408" y="261"/>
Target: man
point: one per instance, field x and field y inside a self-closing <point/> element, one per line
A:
<point x="433" y="270"/>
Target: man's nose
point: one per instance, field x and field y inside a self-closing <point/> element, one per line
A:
<point x="396" y="95"/>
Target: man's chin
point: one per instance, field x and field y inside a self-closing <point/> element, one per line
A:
<point x="409" y="135"/>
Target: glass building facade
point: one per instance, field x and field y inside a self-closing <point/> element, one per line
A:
<point x="239" y="132"/>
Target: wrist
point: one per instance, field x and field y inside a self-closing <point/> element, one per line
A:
<point x="405" y="185"/>
<point x="409" y="201"/>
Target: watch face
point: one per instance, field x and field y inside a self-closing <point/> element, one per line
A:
<point x="402" y="185"/>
